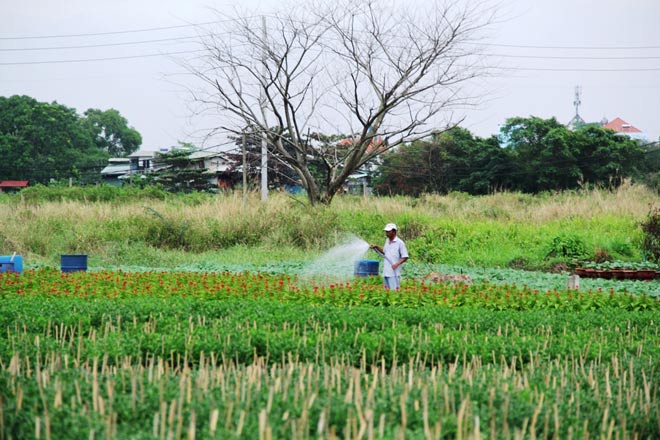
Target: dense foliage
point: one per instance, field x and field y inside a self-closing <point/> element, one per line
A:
<point x="111" y="132"/>
<point x="531" y="155"/>
<point x="41" y="142"/>
<point x="452" y="161"/>
<point x="651" y="229"/>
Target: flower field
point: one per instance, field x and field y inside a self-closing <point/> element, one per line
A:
<point x="170" y="355"/>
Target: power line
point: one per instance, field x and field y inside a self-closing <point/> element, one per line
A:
<point x="557" y="69"/>
<point x="95" y="34"/>
<point x="162" y="40"/>
<point x="86" y="60"/>
<point x="549" y="69"/>
<point x="161" y="28"/>
<point x="518" y="46"/>
<point x="126" y="43"/>
<point x="549" y="57"/>
<point x="546" y="57"/>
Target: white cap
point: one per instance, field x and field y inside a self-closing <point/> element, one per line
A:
<point x="390" y="226"/>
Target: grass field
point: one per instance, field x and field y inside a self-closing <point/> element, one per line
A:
<point x="118" y="228"/>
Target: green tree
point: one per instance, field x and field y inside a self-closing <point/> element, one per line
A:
<point x="542" y="154"/>
<point x="548" y="156"/>
<point x="110" y="132"/>
<point x="179" y="173"/>
<point x="606" y="157"/>
<point x="454" y="160"/>
<point x="42" y="141"/>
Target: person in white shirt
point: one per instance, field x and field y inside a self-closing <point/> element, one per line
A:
<point x="394" y="253"/>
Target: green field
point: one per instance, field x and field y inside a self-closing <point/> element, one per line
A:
<point x="196" y="319"/>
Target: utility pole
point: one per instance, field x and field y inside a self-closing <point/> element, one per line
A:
<point x="244" y="171"/>
<point x="264" y="142"/>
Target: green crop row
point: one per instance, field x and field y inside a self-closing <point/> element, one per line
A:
<point x="153" y="367"/>
<point x="158" y="399"/>
<point x="250" y="355"/>
<point x="240" y="329"/>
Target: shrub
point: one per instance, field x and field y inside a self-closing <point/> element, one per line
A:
<point x="651" y="240"/>
<point x="567" y="246"/>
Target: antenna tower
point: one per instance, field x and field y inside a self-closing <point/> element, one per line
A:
<point x="577" y="102"/>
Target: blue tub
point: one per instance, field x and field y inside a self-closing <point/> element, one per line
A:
<point x="366" y="268"/>
<point x="8" y="264"/>
<point x="73" y="263"/>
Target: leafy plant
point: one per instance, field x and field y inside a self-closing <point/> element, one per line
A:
<point x="568" y="246"/>
<point x="651" y="241"/>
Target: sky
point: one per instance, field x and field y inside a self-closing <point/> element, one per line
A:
<point x="123" y="54"/>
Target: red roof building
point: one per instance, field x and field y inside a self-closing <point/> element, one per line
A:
<point x="621" y="126"/>
<point x="13" y="184"/>
<point x="374" y="143"/>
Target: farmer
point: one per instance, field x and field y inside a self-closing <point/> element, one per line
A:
<point x="395" y="254"/>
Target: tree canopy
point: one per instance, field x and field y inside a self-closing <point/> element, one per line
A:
<point x="530" y="155"/>
<point x="110" y="132"/>
<point x="42" y="141"/>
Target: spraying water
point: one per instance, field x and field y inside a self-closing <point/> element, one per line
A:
<point x="338" y="263"/>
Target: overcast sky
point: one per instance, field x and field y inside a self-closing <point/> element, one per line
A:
<point x="544" y="48"/>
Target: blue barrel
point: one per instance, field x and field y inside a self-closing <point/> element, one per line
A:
<point x="11" y="263"/>
<point x="366" y="268"/>
<point x="73" y="263"/>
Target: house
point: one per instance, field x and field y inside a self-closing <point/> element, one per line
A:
<point x="220" y="171"/>
<point x="12" y="185"/>
<point x="117" y="167"/>
<point x="622" y="127"/>
<point x="139" y="163"/>
<point x="142" y="161"/>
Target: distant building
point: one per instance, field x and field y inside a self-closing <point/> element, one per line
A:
<point x="12" y="185"/>
<point x="219" y="169"/>
<point x="359" y="183"/>
<point x="117" y="167"/>
<point x="617" y="124"/>
<point x="622" y="127"/>
<point x="141" y="163"/>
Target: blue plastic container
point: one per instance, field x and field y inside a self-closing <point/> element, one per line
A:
<point x="366" y="268"/>
<point x="8" y="264"/>
<point x="73" y="263"/>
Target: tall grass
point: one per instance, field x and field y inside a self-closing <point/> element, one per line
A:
<point x="152" y="228"/>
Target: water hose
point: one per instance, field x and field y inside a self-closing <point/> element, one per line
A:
<point x="382" y="255"/>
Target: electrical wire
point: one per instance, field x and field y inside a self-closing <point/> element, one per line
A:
<point x="129" y="31"/>
<point x="90" y="46"/>
<point x="513" y="56"/>
<point x="86" y="60"/>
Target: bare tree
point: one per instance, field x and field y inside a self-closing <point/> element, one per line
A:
<point x="376" y="70"/>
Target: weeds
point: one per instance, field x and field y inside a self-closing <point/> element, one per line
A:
<point x="112" y="226"/>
